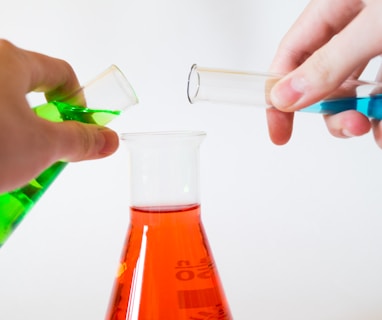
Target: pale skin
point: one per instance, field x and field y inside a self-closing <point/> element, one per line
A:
<point x="28" y="143"/>
<point x="331" y="41"/>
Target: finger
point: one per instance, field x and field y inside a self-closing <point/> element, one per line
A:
<point x="332" y="64"/>
<point x="53" y="76"/>
<point x="74" y="141"/>
<point x="347" y="124"/>
<point x="317" y="24"/>
<point x="378" y="77"/>
<point x="279" y="125"/>
<point x="39" y="72"/>
<point x="377" y="131"/>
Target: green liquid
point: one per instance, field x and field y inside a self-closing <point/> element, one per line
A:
<point x="15" y="204"/>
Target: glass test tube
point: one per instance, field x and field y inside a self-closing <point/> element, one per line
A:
<point x="253" y="89"/>
<point x="98" y="102"/>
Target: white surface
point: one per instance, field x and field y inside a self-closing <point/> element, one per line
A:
<point x="295" y="230"/>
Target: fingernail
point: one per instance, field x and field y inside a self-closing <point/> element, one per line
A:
<point x="107" y="141"/>
<point x="287" y="92"/>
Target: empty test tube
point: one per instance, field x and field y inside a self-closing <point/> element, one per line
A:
<point x="253" y="89"/>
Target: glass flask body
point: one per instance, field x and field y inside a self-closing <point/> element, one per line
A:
<point x="167" y="270"/>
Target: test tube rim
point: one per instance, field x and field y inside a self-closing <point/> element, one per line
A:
<point x="120" y="78"/>
<point x="193" y="69"/>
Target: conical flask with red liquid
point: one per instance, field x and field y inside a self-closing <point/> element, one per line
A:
<point x="167" y="271"/>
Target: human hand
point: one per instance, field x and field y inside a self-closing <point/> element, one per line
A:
<point x="30" y="144"/>
<point x="330" y="42"/>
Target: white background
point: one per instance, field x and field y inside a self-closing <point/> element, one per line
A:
<point x="295" y="230"/>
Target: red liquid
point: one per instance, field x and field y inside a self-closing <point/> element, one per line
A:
<point x="167" y="270"/>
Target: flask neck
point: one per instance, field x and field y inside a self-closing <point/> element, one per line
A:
<point x="164" y="168"/>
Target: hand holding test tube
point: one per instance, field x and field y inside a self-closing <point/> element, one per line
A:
<point x="98" y="102"/>
<point x="253" y="89"/>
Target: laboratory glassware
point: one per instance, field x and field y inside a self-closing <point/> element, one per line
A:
<point x="166" y="270"/>
<point x="98" y="102"/>
<point x="253" y="89"/>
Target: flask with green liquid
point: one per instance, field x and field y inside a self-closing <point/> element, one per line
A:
<point x="98" y="102"/>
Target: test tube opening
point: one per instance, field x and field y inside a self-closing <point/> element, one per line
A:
<point x="227" y="86"/>
<point x="193" y="84"/>
<point x="120" y="94"/>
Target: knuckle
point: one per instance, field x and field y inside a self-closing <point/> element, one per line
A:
<point x="321" y="65"/>
<point x="6" y="46"/>
<point x="9" y="53"/>
<point x="72" y="140"/>
<point x="83" y="140"/>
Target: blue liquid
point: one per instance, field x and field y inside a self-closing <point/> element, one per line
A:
<point x="371" y="106"/>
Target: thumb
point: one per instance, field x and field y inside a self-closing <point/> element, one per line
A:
<point x="75" y="141"/>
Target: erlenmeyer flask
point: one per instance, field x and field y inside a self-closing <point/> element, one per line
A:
<point x="167" y="270"/>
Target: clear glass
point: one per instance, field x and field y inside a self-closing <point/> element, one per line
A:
<point x="98" y="102"/>
<point x="167" y="270"/>
<point x="252" y="88"/>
